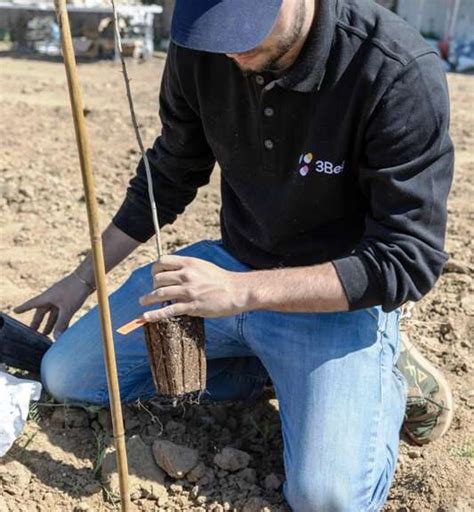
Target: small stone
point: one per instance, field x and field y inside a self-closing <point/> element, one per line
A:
<point x="454" y="266"/>
<point x="173" y="428"/>
<point x="182" y="502"/>
<point x="413" y="454"/>
<point x="273" y="402"/>
<point x="207" y="479"/>
<point x="248" y="475"/>
<point x="467" y="304"/>
<point x="92" y="488"/>
<point x="196" y="473"/>
<point x="272" y="482"/>
<point x="231" y="459"/>
<point x="176" y="488"/>
<point x="176" y="460"/>
<point x="256" y="504"/>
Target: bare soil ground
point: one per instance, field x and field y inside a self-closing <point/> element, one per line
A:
<point x="56" y="463"/>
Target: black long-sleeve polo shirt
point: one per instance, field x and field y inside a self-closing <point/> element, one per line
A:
<point x="346" y="157"/>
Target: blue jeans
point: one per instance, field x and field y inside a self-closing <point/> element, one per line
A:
<point x="341" y="399"/>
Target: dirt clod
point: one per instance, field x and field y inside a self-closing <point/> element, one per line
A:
<point x="230" y="459"/>
<point x="176" y="460"/>
<point x="272" y="482"/>
<point x="14" y="478"/>
<point x="256" y="504"/>
<point x="197" y="472"/>
<point x="146" y="478"/>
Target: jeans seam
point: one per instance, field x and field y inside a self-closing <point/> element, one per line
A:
<point x="375" y="434"/>
<point x="240" y="327"/>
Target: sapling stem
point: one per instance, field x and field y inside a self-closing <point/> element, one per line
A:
<point x="149" y="178"/>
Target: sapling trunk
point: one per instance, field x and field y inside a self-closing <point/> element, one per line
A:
<point x="176" y="345"/>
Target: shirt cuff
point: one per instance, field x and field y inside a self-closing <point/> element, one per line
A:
<point x="360" y="285"/>
<point x="134" y="222"/>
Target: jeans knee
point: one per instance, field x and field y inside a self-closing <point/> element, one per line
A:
<point x="53" y="375"/>
<point x="317" y="494"/>
<point x="64" y="378"/>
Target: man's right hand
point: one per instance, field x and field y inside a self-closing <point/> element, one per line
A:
<point x="60" y="301"/>
<point x="64" y="298"/>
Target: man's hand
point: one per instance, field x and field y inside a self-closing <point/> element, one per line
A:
<point x="196" y="288"/>
<point x="199" y="288"/>
<point x="60" y="301"/>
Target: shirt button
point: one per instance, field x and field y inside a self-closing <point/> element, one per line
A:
<point x="260" y="80"/>
<point x="268" y="112"/>
<point x="268" y="143"/>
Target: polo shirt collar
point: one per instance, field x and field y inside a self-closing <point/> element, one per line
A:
<point x="307" y="72"/>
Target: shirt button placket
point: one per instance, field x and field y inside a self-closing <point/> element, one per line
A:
<point x="268" y="143"/>
<point x="268" y="128"/>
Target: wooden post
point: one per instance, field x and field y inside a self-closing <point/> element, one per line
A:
<point x="97" y="251"/>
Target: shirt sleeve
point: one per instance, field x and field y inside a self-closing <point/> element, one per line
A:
<point x="180" y="161"/>
<point x="405" y="174"/>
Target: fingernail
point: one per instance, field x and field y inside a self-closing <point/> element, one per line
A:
<point x="141" y="300"/>
<point x="146" y="316"/>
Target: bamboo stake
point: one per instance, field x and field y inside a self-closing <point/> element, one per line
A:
<point x="97" y="251"/>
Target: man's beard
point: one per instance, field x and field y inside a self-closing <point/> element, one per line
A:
<point x="272" y="63"/>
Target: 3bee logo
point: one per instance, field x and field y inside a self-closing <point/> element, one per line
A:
<point x="307" y="160"/>
<point x="304" y="161"/>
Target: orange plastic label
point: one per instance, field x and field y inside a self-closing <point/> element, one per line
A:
<point x="131" y="326"/>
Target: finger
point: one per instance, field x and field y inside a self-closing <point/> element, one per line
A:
<point x="169" y="263"/>
<point x="163" y="295"/>
<point x="53" y="316"/>
<point x="181" y="308"/>
<point x="38" y="318"/>
<point x="62" y="323"/>
<point x="29" y="304"/>
<point x="166" y="279"/>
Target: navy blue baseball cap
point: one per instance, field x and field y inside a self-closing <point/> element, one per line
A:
<point x="223" y="26"/>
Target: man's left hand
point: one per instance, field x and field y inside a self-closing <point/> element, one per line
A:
<point x="196" y="288"/>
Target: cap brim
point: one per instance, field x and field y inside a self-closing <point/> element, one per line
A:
<point x="223" y="26"/>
